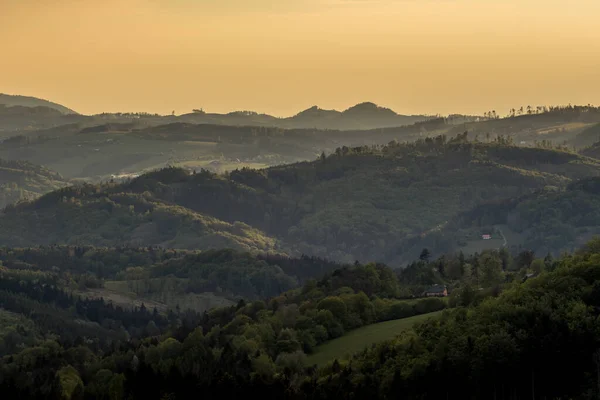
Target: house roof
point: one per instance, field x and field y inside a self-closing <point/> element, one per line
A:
<point x="527" y="276"/>
<point x="436" y="289"/>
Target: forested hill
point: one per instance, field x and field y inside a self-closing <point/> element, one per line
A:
<point x="549" y="220"/>
<point x="96" y="147"/>
<point x="519" y="338"/>
<point x="367" y="203"/>
<point x="21" y="180"/>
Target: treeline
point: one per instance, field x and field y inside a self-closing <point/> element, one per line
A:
<point x="71" y="320"/>
<point x="236" y="274"/>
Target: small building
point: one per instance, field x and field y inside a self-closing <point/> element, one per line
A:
<point x="436" y="291"/>
<point x="486" y="237"/>
<point x="529" y="276"/>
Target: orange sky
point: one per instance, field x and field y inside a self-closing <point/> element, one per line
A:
<point x="281" y="56"/>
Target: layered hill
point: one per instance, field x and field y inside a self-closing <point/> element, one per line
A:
<point x="21" y="113"/>
<point x="367" y="203"/>
<point x="97" y="147"/>
<point x="361" y="116"/>
<point x="594" y="149"/>
<point x="16" y="119"/>
<point x="31" y="102"/>
<point x="97" y="152"/>
<point x="21" y="180"/>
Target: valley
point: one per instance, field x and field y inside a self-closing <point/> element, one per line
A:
<point x="286" y="252"/>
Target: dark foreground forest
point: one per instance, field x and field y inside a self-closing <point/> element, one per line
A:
<point x="532" y="334"/>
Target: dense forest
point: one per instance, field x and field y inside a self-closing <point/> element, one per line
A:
<point x="382" y="203"/>
<point x="504" y="340"/>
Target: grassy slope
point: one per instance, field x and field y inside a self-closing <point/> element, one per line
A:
<point x="123" y="293"/>
<point x="361" y="338"/>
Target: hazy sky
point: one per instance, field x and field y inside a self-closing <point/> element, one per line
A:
<point x="281" y="56"/>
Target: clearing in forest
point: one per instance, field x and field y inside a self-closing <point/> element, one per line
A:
<point x="361" y="338"/>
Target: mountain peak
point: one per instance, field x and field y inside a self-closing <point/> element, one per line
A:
<point x="369" y="108"/>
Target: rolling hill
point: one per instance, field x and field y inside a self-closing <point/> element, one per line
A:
<point x="27" y="101"/>
<point x="594" y="149"/>
<point x="99" y="151"/>
<point x="21" y="180"/>
<point x="588" y="137"/>
<point x="550" y="220"/>
<point x="368" y="203"/>
<point x="30" y="113"/>
<point x="95" y="148"/>
<point x="361" y="116"/>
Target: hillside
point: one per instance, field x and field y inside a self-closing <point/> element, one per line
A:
<point x="15" y="120"/>
<point x="21" y="113"/>
<point x="92" y="215"/>
<point x="511" y="339"/>
<point x="95" y="148"/>
<point x="588" y="137"/>
<point x="20" y="180"/>
<point x="368" y="203"/>
<point x="594" y="149"/>
<point x="26" y="101"/>
<point x="95" y="152"/>
<point x="361" y="339"/>
<point x="550" y="220"/>
<point x="558" y="125"/>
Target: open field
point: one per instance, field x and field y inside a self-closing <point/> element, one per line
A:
<point x="502" y="236"/>
<point x="361" y="338"/>
<point x="123" y="294"/>
<point x="125" y="300"/>
<point x="221" y="166"/>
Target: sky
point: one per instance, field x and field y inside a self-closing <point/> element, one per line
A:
<point x="283" y="56"/>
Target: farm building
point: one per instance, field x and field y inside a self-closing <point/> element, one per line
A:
<point x="436" y="291"/>
<point x="529" y="276"/>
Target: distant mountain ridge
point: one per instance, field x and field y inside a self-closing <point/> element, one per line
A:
<point x="28" y="101"/>
<point x="365" y="115"/>
<point x="30" y="113"/>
